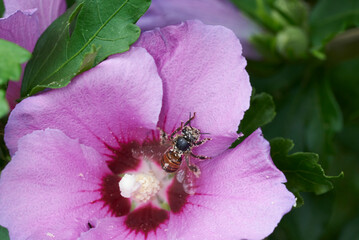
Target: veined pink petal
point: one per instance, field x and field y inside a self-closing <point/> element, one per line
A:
<point x="51" y="187"/>
<point x="240" y="195"/>
<point x="151" y="225"/>
<point x="47" y="10"/>
<point x="21" y="28"/>
<point x="214" y="12"/>
<point x="117" y="101"/>
<point x="203" y="71"/>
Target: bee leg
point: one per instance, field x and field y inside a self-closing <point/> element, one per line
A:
<point x="176" y="131"/>
<point x="193" y="167"/>
<point x="190" y="119"/>
<point x="199" y="143"/>
<point x="163" y="137"/>
<point x="200" y="156"/>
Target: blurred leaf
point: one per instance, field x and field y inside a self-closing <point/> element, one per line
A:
<point x="286" y="21"/>
<point x="4" y="106"/>
<point x="301" y="169"/>
<point x="330" y="17"/>
<point x="344" y="46"/>
<point x="274" y="15"/>
<point x="70" y="3"/>
<point x="61" y="49"/>
<point x="295" y="11"/>
<point x="247" y="6"/>
<point x="346" y="192"/>
<point x="2" y="8"/>
<point x="345" y="82"/>
<point x="324" y="119"/>
<point x="330" y="110"/>
<point x="292" y="43"/>
<point x="4" y="234"/>
<point x="307" y="112"/>
<point x="260" y="113"/>
<point x="344" y="219"/>
<point x="11" y="58"/>
<point x="351" y="231"/>
<point x="275" y="78"/>
<point x="261" y="12"/>
<point x="4" y="153"/>
<point x="265" y="44"/>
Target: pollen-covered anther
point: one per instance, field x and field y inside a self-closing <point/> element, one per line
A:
<point x="141" y="187"/>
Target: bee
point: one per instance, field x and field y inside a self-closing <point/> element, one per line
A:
<point x="182" y="140"/>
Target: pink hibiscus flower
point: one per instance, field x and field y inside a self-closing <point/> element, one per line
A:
<point x="23" y="23"/>
<point x="86" y="158"/>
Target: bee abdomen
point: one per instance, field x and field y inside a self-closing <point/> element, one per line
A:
<point x="170" y="162"/>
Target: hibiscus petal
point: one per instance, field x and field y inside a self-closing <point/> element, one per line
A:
<point x="47" y="10"/>
<point x="118" y="229"/>
<point x="214" y="12"/>
<point x="240" y="195"/>
<point x="203" y="71"/>
<point x="106" y="105"/>
<point x="51" y="187"/>
<point x="20" y="28"/>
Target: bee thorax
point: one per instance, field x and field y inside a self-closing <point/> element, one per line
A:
<point x="182" y="144"/>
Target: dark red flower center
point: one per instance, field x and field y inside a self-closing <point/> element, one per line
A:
<point x="125" y="158"/>
<point x="146" y="219"/>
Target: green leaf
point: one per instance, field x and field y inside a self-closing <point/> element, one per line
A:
<point x="107" y="26"/>
<point x="4" y="106"/>
<point x="302" y="170"/>
<point x="70" y="3"/>
<point x="260" y="113"/>
<point x="329" y="18"/>
<point x="4" y="234"/>
<point x="2" y="8"/>
<point x="11" y="58"/>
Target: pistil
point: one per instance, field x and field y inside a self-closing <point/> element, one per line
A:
<point x="141" y="187"/>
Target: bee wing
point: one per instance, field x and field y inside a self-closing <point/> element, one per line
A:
<point x="187" y="178"/>
<point x="189" y="182"/>
<point x="181" y="173"/>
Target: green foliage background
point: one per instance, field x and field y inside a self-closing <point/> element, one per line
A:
<point x="310" y="66"/>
